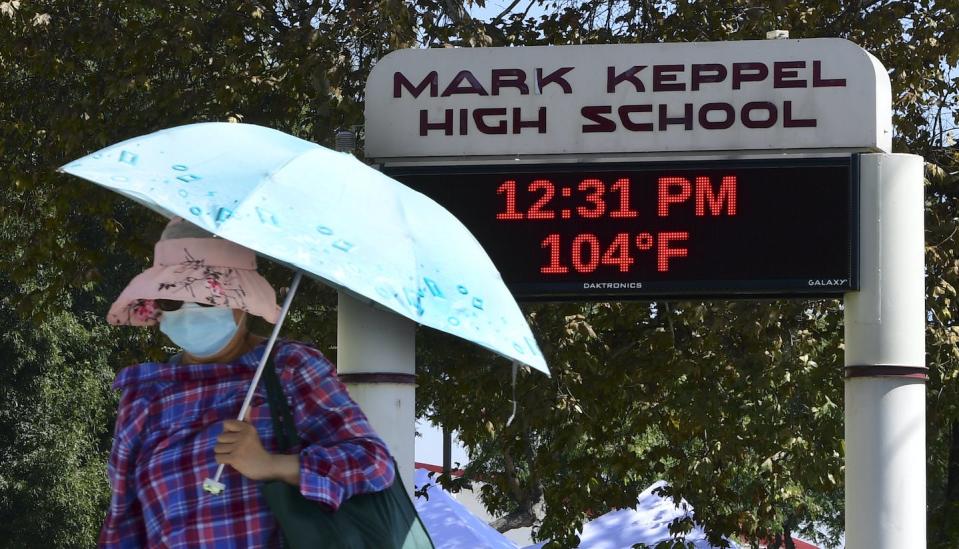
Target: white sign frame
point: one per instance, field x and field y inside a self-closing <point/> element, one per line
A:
<point x="818" y="95"/>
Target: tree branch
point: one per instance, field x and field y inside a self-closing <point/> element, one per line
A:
<point x="669" y="321"/>
<point x="517" y="519"/>
<point x="455" y="11"/>
<point x="511" y="479"/>
<point x="506" y="11"/>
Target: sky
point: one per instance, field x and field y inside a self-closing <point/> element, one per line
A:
<point x="495" y="7"/>
<point x="429" y="446"/>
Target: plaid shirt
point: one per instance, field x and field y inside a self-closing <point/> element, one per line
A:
<point x="169" y="418"/>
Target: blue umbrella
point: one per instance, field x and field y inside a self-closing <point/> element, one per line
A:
<point x="326" y="214"/>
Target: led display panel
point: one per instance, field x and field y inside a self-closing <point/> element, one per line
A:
<point x="621" y="231"/>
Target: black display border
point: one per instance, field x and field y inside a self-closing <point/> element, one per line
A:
<point x="737" y="289"/>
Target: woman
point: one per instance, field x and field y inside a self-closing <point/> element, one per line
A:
<point x="175" y="421"/>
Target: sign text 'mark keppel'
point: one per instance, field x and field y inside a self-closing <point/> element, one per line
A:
<point x="642" y="98"/>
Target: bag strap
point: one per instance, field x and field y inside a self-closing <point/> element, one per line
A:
<point x="284" y="428"/>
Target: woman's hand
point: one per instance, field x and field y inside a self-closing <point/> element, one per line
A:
<point x="239" y="446"/>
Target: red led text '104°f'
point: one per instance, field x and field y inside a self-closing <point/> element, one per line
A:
<point x="587" y="253"/>
<point x="592" y="198"/>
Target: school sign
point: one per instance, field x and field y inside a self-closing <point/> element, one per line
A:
<point x="642" y="98"/>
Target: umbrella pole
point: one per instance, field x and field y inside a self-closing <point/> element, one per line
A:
<point x="213" y="485"/>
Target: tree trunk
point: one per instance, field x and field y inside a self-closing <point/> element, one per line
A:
<point x="788" y="533"/>
<point x="447" y="451"/>
<point x="950" y="505"/>
<point x="516" y="519"/>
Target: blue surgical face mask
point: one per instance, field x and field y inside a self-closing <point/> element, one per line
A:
<point x="200" y="331"/>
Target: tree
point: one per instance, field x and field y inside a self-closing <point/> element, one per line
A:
<point x="54" y="433"/>
<point x="67" y="248"/>
<point x="55" y="422"/>
<point x="942" y="347"/>
<point x="746" y="415"/>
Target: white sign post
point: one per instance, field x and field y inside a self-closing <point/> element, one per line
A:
<point x="711" y="101"/>
<point x="376" y="358"/>
<point x="885" y="362"/>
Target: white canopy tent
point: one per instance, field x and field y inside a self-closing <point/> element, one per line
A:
<point x="450" y="524"/>
<point x="453" y="526"/>
<point x="647" y="523"/>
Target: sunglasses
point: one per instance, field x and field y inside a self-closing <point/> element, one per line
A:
<point x="173" y="305"/>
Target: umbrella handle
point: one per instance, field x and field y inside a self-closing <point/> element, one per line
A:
<point x="213" y="485"/>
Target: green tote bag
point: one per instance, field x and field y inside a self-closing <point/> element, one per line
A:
<point x="380" y="520"/>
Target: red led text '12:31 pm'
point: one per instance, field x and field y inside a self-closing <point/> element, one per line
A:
<point x="672" y="190"/>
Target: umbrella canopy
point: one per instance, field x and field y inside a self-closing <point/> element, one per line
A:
<point x="450" y="524"/>
<point x="324" y="213"/>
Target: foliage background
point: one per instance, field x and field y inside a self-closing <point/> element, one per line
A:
<point x="737" y="404"/>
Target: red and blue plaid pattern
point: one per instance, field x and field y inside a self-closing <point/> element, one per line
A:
<point x="169" y="418"/>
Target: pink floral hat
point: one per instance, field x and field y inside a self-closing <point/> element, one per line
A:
<point x="190" y="264"/>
